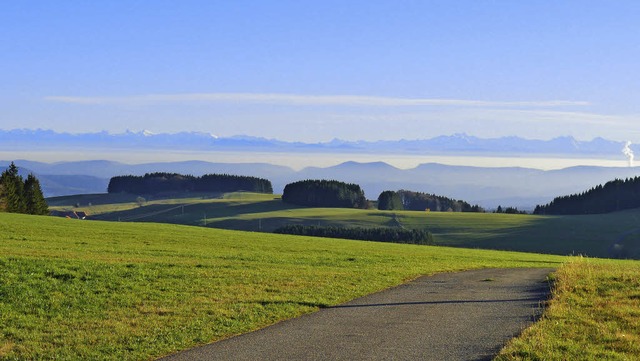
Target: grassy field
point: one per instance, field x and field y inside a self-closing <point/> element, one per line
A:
<point x="594" y="315"/>
<point x="607" y="235"/>
<point x="72" y="289"/>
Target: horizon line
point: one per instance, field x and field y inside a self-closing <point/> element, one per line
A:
<point x="148" y="133"/>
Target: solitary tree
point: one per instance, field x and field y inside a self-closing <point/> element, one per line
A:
<point x="34" y="199"/>
<point x="12" y="190"/>
<point x="140" y="201"/>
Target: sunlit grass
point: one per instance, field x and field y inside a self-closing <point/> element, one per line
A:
<point x="594" y="315"/>
<point x="72" y="289"/>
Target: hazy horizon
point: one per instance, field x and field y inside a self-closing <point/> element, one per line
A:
<point x="140" y="147"/>
<point x="300" y="160"/>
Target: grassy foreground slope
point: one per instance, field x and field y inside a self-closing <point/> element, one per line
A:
<point x="603" y="235"/>
<point x="74" y="289"/>
<point x="594" y="315"/>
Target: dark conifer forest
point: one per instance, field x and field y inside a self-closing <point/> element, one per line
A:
<point x="613" y="196"/>
<point x="154" y="183"/>
<point x="416" y="201"/>
<point x="390" y="200"/>
<point x="325" y="193"/>
<point x="393" y="235"/>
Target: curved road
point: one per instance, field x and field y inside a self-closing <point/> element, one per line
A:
<point x="452" y="316"/>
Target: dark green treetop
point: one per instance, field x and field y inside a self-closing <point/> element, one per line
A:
<point x="12" y="190"/>
<point x="35" y="202"/>
<point x="390" y="200"/>
<point x="20" y="196"/>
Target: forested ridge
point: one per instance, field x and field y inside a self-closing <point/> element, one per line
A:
<point x="324" y="193"/>
<point x="417" y="201"/>
<point x="613" y="196"/>
<point x="154" y="183"/>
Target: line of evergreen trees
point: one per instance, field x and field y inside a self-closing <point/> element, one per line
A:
<point x="509" y="210"/>
<point x="613" y="196"/>
<point x="155" y="183"/>
<point x="325" y="193"/>
<point x="18" y="195"/>
<point x="417" y="201"/>
<point x="393" y="235"/>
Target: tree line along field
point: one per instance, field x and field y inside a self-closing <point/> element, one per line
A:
<point x="155" y="183"/>
<point x="605" y="235"/>
<point x="613" y="196"/>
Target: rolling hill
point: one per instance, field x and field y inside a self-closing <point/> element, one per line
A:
<point x="609" y="235"/>
<point x="489" y="187"/>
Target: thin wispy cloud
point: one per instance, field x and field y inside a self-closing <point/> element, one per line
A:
<point x="557" y="117"/>
<point x="303" y="100"/>
<point x="489" y="122"/>
<point x="535" y="116"/>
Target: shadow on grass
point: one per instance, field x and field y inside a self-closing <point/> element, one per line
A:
<point x="589" y="235"/>
<point x="605" y="235"/>
<point x="194" y="213"/>
<point x="299" y="303"/>
<point x="93" y="199"/>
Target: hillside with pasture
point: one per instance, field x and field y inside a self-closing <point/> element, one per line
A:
<point x="608" y="235"/>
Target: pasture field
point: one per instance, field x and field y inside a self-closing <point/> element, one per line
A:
<point x="187" y="208"/>
<point x="605" y="235"/>
<point x="72" y="289"/>
<point x="594" y="315"/>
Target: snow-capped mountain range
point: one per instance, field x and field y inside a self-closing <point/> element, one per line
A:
<point x="18" y="139"/>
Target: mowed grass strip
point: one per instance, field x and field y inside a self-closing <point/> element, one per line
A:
<point x="594" y="315"/>
<point x="72" y="289"/>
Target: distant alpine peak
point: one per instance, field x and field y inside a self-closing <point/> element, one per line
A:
<point x="188" y="140"/>
<point x="460" y="136"/>
<point x="198" y="134"/>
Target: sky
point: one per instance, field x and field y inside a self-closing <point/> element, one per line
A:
<point x="313" y="71"/>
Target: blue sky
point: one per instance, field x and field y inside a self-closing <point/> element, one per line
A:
<point x="318" y="70"/>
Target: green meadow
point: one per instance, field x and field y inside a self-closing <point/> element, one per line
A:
<point x="72" y="289"/>
<point x="606" y="235"/>
<point x="137" y="289"/>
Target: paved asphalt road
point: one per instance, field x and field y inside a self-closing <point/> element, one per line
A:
<point x="453" y="316"/>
